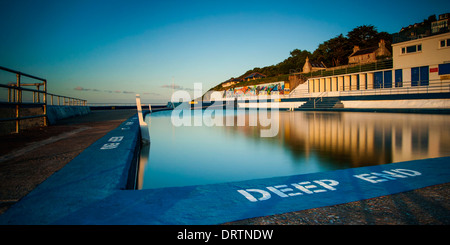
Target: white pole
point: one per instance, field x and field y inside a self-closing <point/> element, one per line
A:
<point x="145" y="134"/>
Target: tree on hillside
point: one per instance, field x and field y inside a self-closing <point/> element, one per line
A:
<point x="295" y="61"/>
<point x="363" y="36"/>
<point x="333" y="52"/>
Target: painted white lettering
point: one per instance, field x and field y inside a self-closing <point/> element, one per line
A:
<point x="280" y="192"/>
<point x="407" y="172"/>
<point x="285" y="191"/>
<point x="109" y="146"/>
<point x="265" y="195"/>
<point x="368" y="177"/>
<point x="327" y="183"/>
<point x="389" y="175"/>
<point x="305" y="186"/>
<point x="115" y="139"/>
<point x="386" y="175"/>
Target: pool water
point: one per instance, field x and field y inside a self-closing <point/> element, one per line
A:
<point x="306" y="142"/>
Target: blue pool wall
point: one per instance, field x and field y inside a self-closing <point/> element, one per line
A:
<point x="55" y="113"/>
<point x="105" y="167"/>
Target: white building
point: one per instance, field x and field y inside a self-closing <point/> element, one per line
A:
<point x="421" y="60"/>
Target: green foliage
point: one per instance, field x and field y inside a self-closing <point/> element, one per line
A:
<point x="335" y="51"/>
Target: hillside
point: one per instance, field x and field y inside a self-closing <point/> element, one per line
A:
<point x="333" y="52"/>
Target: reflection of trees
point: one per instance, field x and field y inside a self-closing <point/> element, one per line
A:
<point x="358" y="138"/>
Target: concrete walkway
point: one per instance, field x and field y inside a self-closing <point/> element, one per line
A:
<point x="29" y="158"/>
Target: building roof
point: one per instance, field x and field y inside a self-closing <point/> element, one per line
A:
<point x="364" y="51"/>
<point x="317" y="65"/>
<point x="255" y="74"/>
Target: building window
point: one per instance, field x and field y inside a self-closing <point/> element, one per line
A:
<point x="420" y="76"/>
<point x="382" y="79"/>
<point x="399" y="78"/>
<point x="387" y="79"/>
<point x="378" y="79"/>
<point x="444" y="43"/>
<point x="444" y="69"/>
<point x="412" y="49"/>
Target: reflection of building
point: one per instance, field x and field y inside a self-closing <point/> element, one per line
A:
<point x="381" y="138"/>
<point x="360" y="138"/>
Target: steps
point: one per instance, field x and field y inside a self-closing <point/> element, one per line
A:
<point x="323" y="103"/>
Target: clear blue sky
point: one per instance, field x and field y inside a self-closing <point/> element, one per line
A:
<point x="107" y="51"/>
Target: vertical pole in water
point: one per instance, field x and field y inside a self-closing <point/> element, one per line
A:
<point x="145" y="137"/>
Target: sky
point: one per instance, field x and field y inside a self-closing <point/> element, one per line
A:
<point x="107" y="51"/>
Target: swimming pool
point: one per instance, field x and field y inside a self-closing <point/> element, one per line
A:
<point x="306" y="142"/>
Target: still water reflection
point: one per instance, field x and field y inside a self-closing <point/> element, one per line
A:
<point x="306" y="142"/>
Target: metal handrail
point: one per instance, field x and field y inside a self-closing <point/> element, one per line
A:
<point x="319" y="97"/>
<point x="351" y="68"/>
<point x="15" y="97"/>
<point x="352" y="91"/>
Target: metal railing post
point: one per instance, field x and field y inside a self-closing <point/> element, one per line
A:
<point x="45" y="103"/>
<point x="19" y="100"/>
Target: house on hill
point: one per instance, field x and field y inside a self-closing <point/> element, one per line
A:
<point x="312" y="66"/>
<point x="368" y="55"/>
<point x="254" y="76"/>
<point x="230" y="82"/>
<point x="441" y="25"/>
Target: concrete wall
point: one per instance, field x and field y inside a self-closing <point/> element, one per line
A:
<point x="55" y="113"/>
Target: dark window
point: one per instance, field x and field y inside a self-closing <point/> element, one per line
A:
<point x="442" y="43"/>
<point x="357" y="82"/>
<point x="411" y="49"/>
<point x="399" y="78"/>
<point x="388" y="79"/>
<point x="444" y="69"/>
<point x="378" y="79"/>
<point x="420" y="76"/>
<point x="424" y="76"/>
<point x="419" y="47"/>
<point x="365" y="84"/>
<point x="415" y="76"/>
